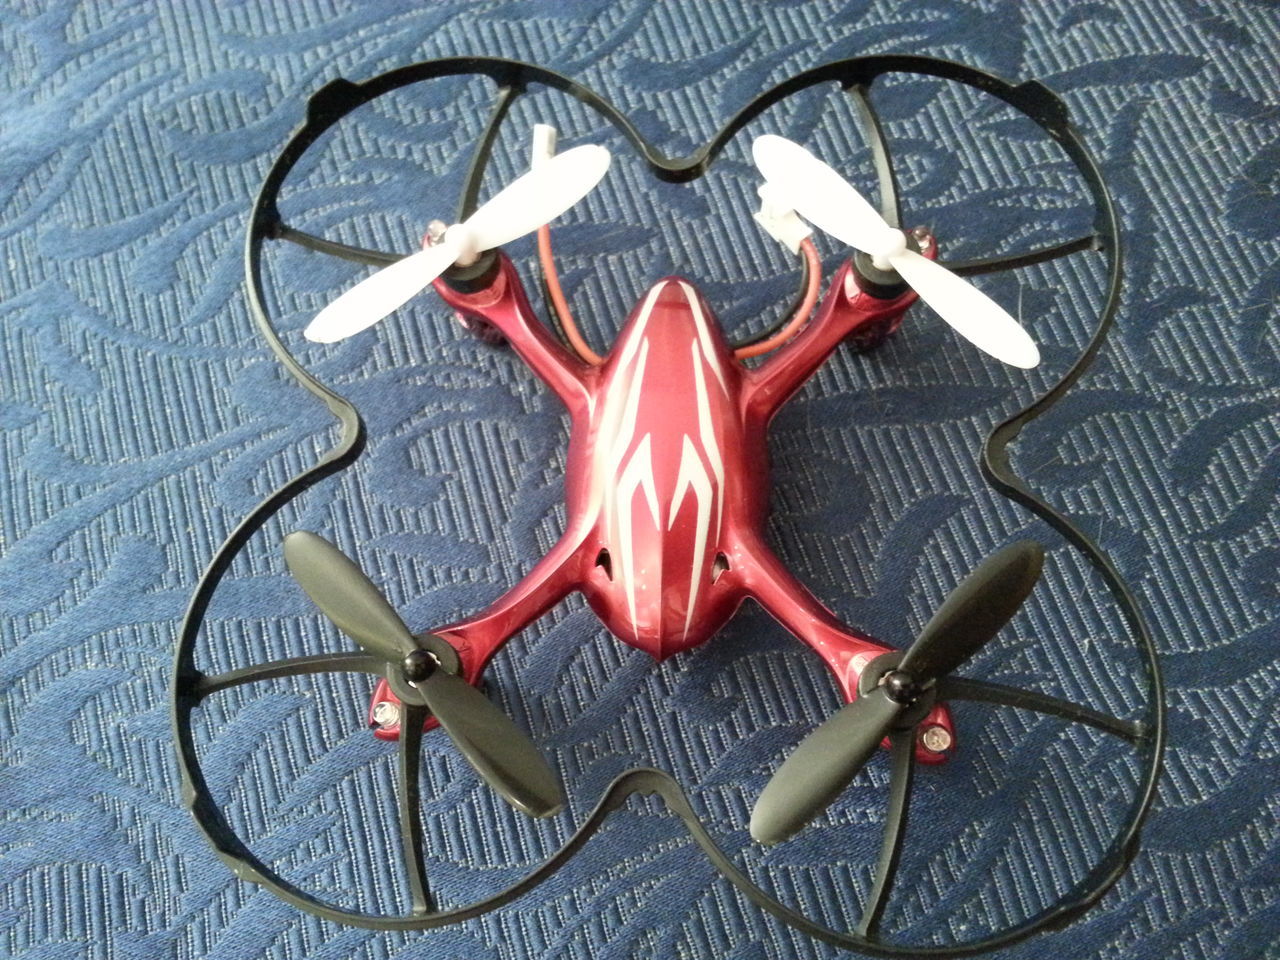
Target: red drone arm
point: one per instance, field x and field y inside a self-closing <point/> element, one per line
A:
<point x="478" y="638"/>
<point x="504" y="305"/>
<point x="845" y="651"/>
<point x="845" y="310"/>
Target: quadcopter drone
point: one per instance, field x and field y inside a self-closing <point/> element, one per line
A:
<point x="666" y="490"/>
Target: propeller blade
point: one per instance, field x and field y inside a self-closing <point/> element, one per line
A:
<point x="383" y="293"/>
<point x="500" y="751"/>
<point x="823" y="197"/>
<point x="346" y="596"/>
<point x="538" y="196"/>
<point x="824" y="763"/>
<point x="975" y="611"/>
<point x="971" y="313"/>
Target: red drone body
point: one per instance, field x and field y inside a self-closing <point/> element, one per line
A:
<point x="667" y="479"/>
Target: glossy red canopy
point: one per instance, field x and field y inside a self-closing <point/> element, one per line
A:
<point x="667" y="480"/>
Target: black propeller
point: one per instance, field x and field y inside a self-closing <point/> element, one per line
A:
<point x="499" y="750"/>
<point x="824" y="763"/>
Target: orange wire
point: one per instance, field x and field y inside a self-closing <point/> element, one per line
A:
<point x="558" y="301"/>
<point x="801" y="315"/>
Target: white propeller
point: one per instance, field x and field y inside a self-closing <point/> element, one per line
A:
<point x="830" y="203"/>
<point x="524" y="205"/>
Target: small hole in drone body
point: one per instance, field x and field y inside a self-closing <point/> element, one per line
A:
<point x="604" y="562"/>
<point x="719" y="567"/>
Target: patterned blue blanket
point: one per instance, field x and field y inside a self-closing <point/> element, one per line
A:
<point x="142" y="418"/>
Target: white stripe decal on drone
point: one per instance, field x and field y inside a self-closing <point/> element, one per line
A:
<point x="626" y="429"/>
<point x="642" y="321"/>
<point x="629" y="380"/>
<point x="708" y="434"/>
<point x="693" y="475"/>
<point x="638" y="474"/>
<point x="638" y="471"/>
<point x="704" y="334"/>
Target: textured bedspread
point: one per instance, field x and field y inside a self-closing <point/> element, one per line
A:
<point x="142" y="418"/>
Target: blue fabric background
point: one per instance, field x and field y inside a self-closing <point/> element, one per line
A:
<point x="143" y="418"/>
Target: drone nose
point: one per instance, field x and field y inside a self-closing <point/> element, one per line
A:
<point x="671" y="301"/>
<point x="664" y="301"/>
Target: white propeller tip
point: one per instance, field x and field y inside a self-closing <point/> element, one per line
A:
<point x="1023" y="355"/>
<point x="767" y="142"/>
<point x="544" y="193"/>
<point x="320" y="331"/>
<point x="600" y="158"/>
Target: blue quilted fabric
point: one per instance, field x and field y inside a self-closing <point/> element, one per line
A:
<point x="143" y="418"/>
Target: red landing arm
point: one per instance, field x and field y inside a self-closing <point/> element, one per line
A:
<point x="479" y="637"/>
<point x="844" y="650"/>
<point x="503" y="305"/>
<point x="844" y="311"/>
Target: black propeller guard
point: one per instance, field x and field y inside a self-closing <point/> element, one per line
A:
<point x="856" y="75"/>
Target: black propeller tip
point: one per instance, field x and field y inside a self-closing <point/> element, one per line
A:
<point x="347" y="596"/>
<point x="822" y="765"/>
<point x="975" y="611"/>
<point x="542" y="812"/>
<point x="1030" y="556"/>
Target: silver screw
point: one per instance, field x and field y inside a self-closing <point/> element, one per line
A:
<point x="386" y="713"/>
<point x="936" y="739"/>
<point x="435" y="232"/>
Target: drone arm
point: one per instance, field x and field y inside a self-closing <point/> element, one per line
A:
<point x="845" y="310"/>
<point x="479" y="637"/>
<point x="504" y="305"/>
<point x="845" y="651"/>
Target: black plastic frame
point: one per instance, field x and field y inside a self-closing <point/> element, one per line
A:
<point x="856" y="76"/>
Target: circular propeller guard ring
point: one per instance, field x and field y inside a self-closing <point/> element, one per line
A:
<point x="340" y="97"/>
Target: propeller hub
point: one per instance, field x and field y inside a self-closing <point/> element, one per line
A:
<point x="465" y="239"/>
<point x="419" y="665"/>
<point x="892" y="243"/>
<point x="901" y="687"/>
<point x="883" y="281"/>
